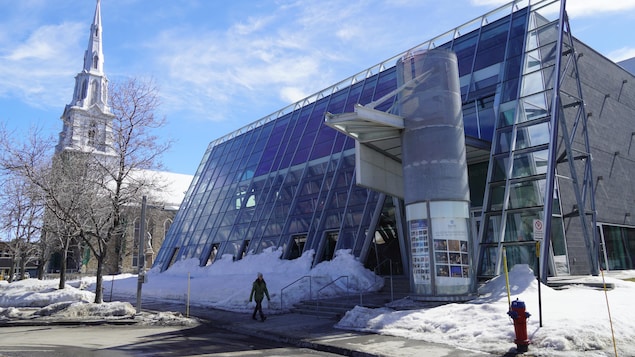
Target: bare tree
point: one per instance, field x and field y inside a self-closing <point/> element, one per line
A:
<point x="87" y="193"/>
<point x="137" y="150"/>
<point x="133" y="103"/>
<point x="21" y="162"/>
<point x="21" y="218"/>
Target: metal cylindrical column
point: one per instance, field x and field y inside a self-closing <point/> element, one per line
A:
<point x="436" y="191"/>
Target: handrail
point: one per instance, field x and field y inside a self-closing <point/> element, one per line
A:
<point x="392" y="298"/>
<point x="317" y="303"/>
<point x="289" y="285"/>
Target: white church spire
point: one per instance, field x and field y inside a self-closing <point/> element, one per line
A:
<point x="88" y="119"/>
<point x="94" y="55"/>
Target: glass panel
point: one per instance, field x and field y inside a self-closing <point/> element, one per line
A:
<point x="541" y="36"/>
<point x="535" y="135"/>
<point x="497" y="197"/>
<point x="526" y="194"/>
<point x="470" y="119"/>
<point x="353" y="97"/>
<point x="529" y="164"/>
<point x="558" y="246"/>
<point x="491" y="47"/>
<point x="486" y="119"/>
<point x="534" y="82"/>
<point x="488" y="261"/>
<point x="520" y="225"/>
<point x="522" y="254"/>
<point x="617" y="249"/>
<point x="499" y="170"/>
<point x="534" y="107"/>
<point x="510" y="90"/>
<point x="337" y="102"/>
<point x="507" y="114"/>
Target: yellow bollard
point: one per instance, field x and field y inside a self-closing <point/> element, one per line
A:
<point x="509" y="302"/>
<point x="187" y="303"/>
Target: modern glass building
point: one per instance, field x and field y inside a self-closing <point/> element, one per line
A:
<point x="540" y="110"/>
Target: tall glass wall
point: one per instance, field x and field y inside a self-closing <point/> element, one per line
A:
<point x="288" y="181"/>
<point x="515" y="194"/>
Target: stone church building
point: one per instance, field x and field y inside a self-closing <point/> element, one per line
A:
<point x="87" y="129"/>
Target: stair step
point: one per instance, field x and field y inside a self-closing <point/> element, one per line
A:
<point x="336" y="307"/>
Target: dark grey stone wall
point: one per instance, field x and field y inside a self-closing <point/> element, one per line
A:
<point x="609" y="95"/>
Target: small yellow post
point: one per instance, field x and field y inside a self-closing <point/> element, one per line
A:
<point x="509" y="299"/>
<point x="187" y="303"/>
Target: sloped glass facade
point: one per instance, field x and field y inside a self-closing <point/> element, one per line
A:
<point x="286" y="183"/>
<point x="288" y="180"/>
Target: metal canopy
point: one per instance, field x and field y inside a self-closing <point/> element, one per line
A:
<point x="382" y="132"/>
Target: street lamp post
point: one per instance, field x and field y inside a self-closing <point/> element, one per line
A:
<point x="141" y="253"/>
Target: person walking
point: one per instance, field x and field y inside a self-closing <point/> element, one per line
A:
<point x="258" y="292"/>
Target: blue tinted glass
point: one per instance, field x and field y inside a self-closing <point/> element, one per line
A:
<point x="323" y="143"/>
<point x="492" y="44"/>
<point x="510" y="90"/>
<point x="369" y="90"/>
<point x="353" y="96"/>
<point x="302" y="155"/>
<point x="519" y="23"/>
<point x="464" y="48"/>
<point x="386" y="83"/>
<point x="486" y="120"/>
<point x="470" y="119"/>
<point x="338" y="101"/>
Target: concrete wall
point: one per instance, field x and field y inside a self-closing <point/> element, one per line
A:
<point x="609" y="94"/>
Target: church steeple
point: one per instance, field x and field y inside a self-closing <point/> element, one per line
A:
<point x="94" y="55"/>
<point x="88" y="119"/>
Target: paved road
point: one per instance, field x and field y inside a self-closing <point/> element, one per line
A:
<point x="136" y="340"/>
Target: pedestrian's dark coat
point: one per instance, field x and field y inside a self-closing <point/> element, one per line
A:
<point x="259" y="290"/>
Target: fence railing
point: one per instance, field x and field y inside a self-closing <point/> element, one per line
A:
<point x="317" y="303"/>
<point x="293" y="283"/>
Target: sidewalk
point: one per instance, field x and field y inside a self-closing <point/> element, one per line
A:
<point x="320" y="334"/>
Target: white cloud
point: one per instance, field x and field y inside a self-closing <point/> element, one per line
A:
<point x="292" y="94"/>
<point x="595" y="7"/>
<point x="621" y="54"/>
<point x="576" y="7"/>
<point x="40" y="45"/>
<point x="38" y="69"/>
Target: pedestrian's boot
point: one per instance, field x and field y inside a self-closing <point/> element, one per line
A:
<point x="254" y="317"/>
<point x="263" y="318"/>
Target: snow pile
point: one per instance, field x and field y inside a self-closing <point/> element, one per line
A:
<point x="574" y="319"/>
<point x="226" y="284"/>
<point x="39" y="293"/>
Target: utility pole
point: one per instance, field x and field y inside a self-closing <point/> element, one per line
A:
<point x="141" y="253"/>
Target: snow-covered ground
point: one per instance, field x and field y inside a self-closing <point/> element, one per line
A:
<point x="575" y="320"/>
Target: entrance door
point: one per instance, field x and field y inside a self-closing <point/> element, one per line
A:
<point x="384" y="254"/>
<point x="296" y="246"/>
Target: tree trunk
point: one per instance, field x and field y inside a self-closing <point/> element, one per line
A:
<point x="23" y="260"/>
<point x="11" y="269"/>
<point x="40" y="269"/>
<point x="63" y="263"/>
<point x="99" y="291"/>
<point x="119" y="253"/>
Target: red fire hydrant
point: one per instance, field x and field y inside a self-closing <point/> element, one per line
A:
<point x="520" y="316"/>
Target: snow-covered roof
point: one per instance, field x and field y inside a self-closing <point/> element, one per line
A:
<point x="172" y="187"/>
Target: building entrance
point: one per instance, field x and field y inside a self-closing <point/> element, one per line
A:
<point x="384" y="255"/>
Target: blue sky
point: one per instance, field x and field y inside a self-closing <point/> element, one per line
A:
<point x="221" y="65"/>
